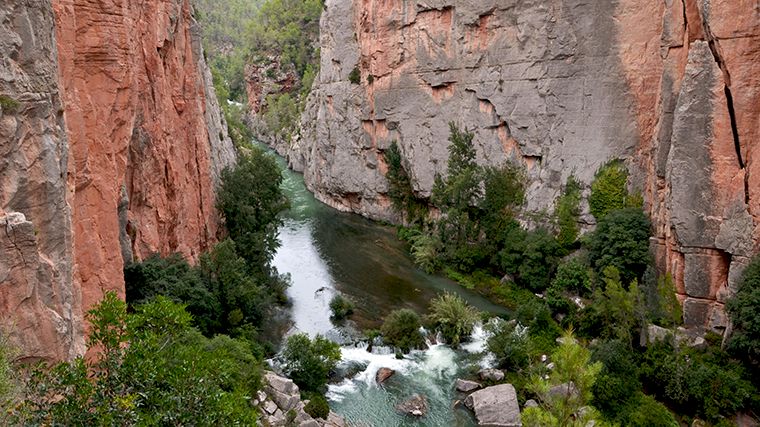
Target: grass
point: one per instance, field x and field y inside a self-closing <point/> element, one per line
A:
<point x="9" y="104"/>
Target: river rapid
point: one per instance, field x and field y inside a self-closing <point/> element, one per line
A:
<point x="327" y="252"/>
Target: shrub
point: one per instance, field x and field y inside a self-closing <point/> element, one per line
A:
<point x="621" y="240"/>
<point x="539" y="260"/>
<point x="608" y="191"/>
<point x="453" y="317"/>
<point x="317" y="406"/>
<point x="568" y="212"/>
<point x="355" y="76"/>
<point x="281" y="114"/>
<point x="309" y="362"/>
<point x="341" y="307"/>
<point x="424" y="251"/>
<point x="401" y="329"/>
<point x="400" y="189"/>
<point x="572" y="365"/>
<point x="708" y="385"/>
<point x="152" y="369"/>
<point x="510" y="344"/>
<point x="613" y="313"/>
<point x="744" y="309"/>
<point x="645" y="411"/>
<point x="573" y="276"/>
<point x="618" y="380"/>
<point x="8" y="104"/>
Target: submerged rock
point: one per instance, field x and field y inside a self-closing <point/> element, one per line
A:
<point x="467" y="386"/>
<point x="416" y="405"/>
<point x="495" y="406"/>
<point x="383" y="374"/>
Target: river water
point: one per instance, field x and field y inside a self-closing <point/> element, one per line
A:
<point x="328" y="252"/>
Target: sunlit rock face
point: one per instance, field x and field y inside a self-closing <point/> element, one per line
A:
<point x="113" y="154"/>
<point x="561" y="86"/>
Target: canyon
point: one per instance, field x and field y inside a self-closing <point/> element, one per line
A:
<point x="562" y="87"/>
<point x="112" y="144"/>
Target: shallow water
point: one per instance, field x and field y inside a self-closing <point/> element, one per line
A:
<point x="328" y="252"/>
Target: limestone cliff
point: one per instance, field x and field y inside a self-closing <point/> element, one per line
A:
<point x="562" y="86"/>
<point x="111" y="154"/>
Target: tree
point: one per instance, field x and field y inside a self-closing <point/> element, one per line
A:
<point x="614" y="309"/>
<point x="309" y="362"/>
<point x="453" y="317"/>
<point x="510" y="344"/>
<point x="400" y="189"/>
<point x="566" y="390"/>
<point x="621" y="240"/>
<point x="568" y="212"/>
<point x="744" y="310"/>
<point x="341" y="307"/>
<point x="250" y="199"/>
<point x="401" y="329"/>
<point x="609" y="190"/>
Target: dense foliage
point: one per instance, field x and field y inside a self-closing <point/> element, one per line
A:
<point x="453" y="317"/>
<point x="744" y="310"/>
<point x="568" y="213"/>
<point x="401" y="329"/>
<point x="609" y="191"/>
<point x="153" y="368"/>
<point x="308" y="362"/>
<point x="341" y="307"/>
<point x="621" y="240"/>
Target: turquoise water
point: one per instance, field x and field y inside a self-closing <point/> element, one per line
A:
<point x="328" y="252"/>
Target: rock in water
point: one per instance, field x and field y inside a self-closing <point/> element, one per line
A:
<point x="466" y="386"/>
<point x="495" y="406"/>
<point x="416" y="405"/>
<point x="491" y="375"/>
<point x="383" y="374"/>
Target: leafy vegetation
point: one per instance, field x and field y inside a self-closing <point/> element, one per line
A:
<point x="453" y="317"/>
<point x="401" y="329"/>
<point x="341" y="307"/>
<point x="400" y="189"/>
<point x="621" y="240"/>
<point x="317" y="406"/>
<point x="308" y="362"/>
<point x="568" y="213"/>
<point x="153" y="368"/>
<point x="743" y="309"/>
<point x="8" y="105"/>
<point x="573" y="377"/>
<point x="609" y="190"/>
<point x="355" y="76"/>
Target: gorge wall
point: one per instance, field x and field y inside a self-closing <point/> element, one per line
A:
<point x="110" y="152"/>
<point x="670" y="86"/>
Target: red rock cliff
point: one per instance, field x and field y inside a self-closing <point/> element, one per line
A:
<point x="563" y="86"/>
<point x="140" y="144"/>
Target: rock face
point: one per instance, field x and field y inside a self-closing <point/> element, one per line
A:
<point x="416" y="405"/>
<point x="495" y="406"/>
<point x="561" y="86"/>
<point x="383" y="374"/>
<point x="112" y="154"/>
<point x="281" y="405"/>
<point x="466" y="386"/>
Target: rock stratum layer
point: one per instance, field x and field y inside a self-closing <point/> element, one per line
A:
<point x="110" y="153"/>
<point x="670" y="86"/>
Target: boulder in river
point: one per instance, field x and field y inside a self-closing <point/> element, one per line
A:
<point x="491" y="375"/>
<point x="383" y="374"/>
<point x="416" y="405"/>
<point x="495" y="406"/>
<point x="466" y="386"/>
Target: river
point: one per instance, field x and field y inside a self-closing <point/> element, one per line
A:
<point x="328" y="252"/>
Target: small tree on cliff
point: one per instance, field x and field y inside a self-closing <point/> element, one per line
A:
<point x="744" y="309"/>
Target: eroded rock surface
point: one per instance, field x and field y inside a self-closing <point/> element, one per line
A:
<point x="495" y="406"/>
<point x="561" y="86"/>
<point x="112" y="154"/>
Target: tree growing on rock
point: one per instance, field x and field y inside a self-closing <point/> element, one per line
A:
<point x="453" y="317"/>
<point x="308" y="362"/>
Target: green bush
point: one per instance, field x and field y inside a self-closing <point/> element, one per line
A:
<point x="8" y="105"/>
<point x="744" y="310"/>
<point x="152" y="368"/>
<point x="618" y="380"/>
<point x="309" y="362"/>
<point x="453" y="317"/>
<point x="341" y="307"/>
<point x="613" y="312"/>
<point x="573" y="276"/>
<point x="355" y="76"/>
<point x="424" y="250"/>
<point x="400" y="189"/>
<point x="704" y="384"/>
<point x="509" y="343"/>
<point x="540" y="257"/>
<point x="317" y="406"/>
<point x="645" y="411"/>
<point x="608" y="191"/>
<point x="401" y="329"/>
<point x="621" y="240"/>
<point x="568" y="213"/>
<point x="281" y="114"/>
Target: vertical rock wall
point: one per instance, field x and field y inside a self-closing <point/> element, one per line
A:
<point x="113" y="155"/>
<point x="562" y="86"/>
<point x="39" y="306"/>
